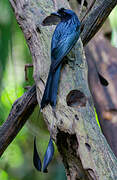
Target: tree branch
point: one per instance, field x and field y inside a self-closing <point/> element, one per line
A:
<point x="20" y="112"/>
<point x="95" y="19"/>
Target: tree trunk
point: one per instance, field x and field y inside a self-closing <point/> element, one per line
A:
<point x="100" y="51"/>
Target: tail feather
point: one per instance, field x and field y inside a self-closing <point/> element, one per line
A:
<point x="54" y="86"/>
<point x="45" y="98"/>
<point x="50" y="92"/>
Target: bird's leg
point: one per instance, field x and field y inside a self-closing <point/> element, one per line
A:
<point x="26" y="67"/>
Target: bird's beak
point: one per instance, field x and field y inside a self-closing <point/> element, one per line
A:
<point x="55" y="14"/>
<point x="53" y="19"/>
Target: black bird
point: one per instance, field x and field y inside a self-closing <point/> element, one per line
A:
<point x="64" y="38"/>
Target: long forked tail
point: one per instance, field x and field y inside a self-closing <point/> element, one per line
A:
<point x="50" y="92"/>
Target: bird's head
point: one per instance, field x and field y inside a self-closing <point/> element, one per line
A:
<point x="64" y="13"/>
<point x="61" y="15"/>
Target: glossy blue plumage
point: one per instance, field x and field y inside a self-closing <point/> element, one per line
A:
<point x="64" y="38"/>
<point x="48" y="155"/>
<point x="36" y="158"/>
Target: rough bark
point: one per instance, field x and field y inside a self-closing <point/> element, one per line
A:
<point x="85" y="152"/>
<point x="28" y="36"/>
<point x="96" y="17"/>
<point x="20" y="112"/>
<point x="100" y="51"/>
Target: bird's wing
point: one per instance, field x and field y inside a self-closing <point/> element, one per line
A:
<point x="62" y="48"/>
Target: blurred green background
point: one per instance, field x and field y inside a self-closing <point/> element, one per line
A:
<point x="16" y="162"/>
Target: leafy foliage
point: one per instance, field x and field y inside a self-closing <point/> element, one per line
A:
<point x="113" y="22"/>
